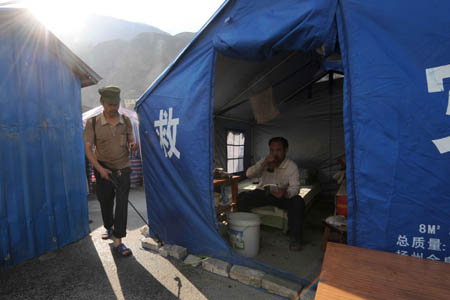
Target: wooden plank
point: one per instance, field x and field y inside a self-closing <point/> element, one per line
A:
<point x="234" y="191"/>
<point x="234" y="186"/>
<point x="355" y="273"/>
<point x="226" y="180"/>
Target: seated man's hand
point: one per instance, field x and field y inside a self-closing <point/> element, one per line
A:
<point x="278" y="193"/>
<point x="269" y="160"/>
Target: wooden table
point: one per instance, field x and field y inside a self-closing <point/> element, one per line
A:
<point x="234" y="180"/>
<point x="352" y="273"/>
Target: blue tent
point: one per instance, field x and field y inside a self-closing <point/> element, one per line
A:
<point x="395" y="56"/>
<point x="43" y="197"/>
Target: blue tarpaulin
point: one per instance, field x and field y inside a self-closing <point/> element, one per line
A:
<point x="43" y="197"/>
<point x="397" y="68"/>
<point x="395" y="59"/>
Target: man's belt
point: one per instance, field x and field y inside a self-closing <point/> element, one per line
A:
<point x="116" y="172"/>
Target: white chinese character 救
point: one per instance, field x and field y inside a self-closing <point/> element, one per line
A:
<point x="161" y="130"/>
<point x="433" y="257"/>
<point x="417" y="254"/>
<point x="418" y="242"/>
<point x="166" y="129"/>
<point x="402" y="241"/>
<point x="435" y="244"/>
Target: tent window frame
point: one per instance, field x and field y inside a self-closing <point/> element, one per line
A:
<point x="241" y="156"/>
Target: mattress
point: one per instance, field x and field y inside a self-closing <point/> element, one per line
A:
<point x="273" y="216"/>
<point x="307" y="192"/>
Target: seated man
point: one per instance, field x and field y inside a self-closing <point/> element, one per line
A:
<point x="282" y="176"/>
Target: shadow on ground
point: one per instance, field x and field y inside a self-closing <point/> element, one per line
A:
<point x="77" y="271"/>
<point x="87" y="269"/>
<point x="53" y="275"/>
<point x="135" y="281"/>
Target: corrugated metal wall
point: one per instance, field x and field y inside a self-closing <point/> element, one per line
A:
<point x="43" y="198"/>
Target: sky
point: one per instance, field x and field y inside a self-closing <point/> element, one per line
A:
<point x="172" y="16"/>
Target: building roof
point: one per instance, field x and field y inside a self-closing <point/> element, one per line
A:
<point x="22" y="19"/>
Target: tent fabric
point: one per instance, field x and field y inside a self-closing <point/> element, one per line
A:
<point x="394" y="157"/>
<point x="177" y="159"/>
<point x="396" y="56"/>
<point x="286" y="74"/>
<point x="256" y="30"/>
<point x="176" y="127"/>
<point x="43" y="197"/>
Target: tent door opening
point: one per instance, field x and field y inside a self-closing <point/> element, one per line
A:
<point x="289" y="95"/>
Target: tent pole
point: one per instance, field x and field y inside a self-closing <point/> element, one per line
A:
<point x="288" y="98"/>
<point x="252" y="157"/>
<point x="331" y="82"/>
<point x="224" y="109"/>
<point x="231" y="107"/>
<point x="301" y="89"/>
<point x="233" y="119"/>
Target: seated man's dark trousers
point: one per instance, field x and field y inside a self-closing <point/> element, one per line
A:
<point x="106" y="191"/>
<point x="295" y="207"/>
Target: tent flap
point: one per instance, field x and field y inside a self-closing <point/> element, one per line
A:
<point x="176" y="115"/>
<point x="396" y="57"/>
<point x="257" y="30"/>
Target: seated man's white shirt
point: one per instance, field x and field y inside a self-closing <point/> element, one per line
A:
<point x="285" y="176"/>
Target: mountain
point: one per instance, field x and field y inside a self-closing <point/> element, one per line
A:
<point x="127" y="54"/>
<point x="97" y="29"/>
<point x="132" y="65"/>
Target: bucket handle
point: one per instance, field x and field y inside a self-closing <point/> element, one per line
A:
<point x="245" y="228"/>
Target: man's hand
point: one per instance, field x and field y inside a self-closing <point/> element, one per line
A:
<point x="133" y="147"/>
<point x="269" y="161"/>
<point x="104" y="173"/>
<point x="278" y="193"/>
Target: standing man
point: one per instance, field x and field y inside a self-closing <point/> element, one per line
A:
<point x="112" y="135"/>
<point x="279" y="185"/>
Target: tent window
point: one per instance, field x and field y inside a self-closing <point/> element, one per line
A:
<point x="235" y="151"/>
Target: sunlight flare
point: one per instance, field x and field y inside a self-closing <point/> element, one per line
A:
<point x="60" y="17"/>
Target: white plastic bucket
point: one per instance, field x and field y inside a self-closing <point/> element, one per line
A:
<point x="244" y="233"/>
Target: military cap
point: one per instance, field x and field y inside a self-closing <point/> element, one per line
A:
<point x="110" y="94"/>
